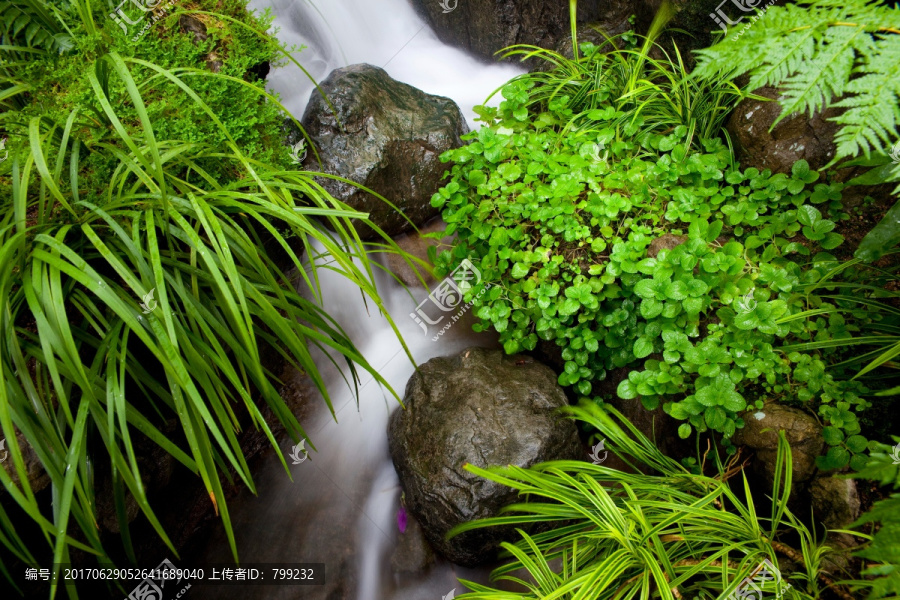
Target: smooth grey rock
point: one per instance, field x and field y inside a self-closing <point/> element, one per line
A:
<point x="413" y="553"/>
<point x="835" y="504"/>
<point x="478" y="407"/>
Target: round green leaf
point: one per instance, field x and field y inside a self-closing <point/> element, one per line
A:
<point x="626" y="390"/>
<point x="643" y="347"/>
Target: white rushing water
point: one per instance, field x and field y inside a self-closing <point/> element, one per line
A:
<point x="340" y="506"/>
<point x="384" y="33"/>
<point x="340" y="509"/>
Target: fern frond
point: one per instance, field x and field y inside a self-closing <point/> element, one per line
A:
<point x="31" y="24"/>
<point x="820" y="53"/>
<point x="873" y="108"/>
<point x="826" y="76"/>
<point x="796" y="50"/>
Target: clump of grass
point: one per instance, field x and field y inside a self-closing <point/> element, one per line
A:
<point x="648" y="86"/>
<point x="668" y="533"/>
<point x="140" y="193"/>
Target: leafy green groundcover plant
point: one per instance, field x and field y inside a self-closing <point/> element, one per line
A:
<point x="98" y="210"/>
<point x="855" y="49"/>
<point x="559" y="222"/>
<point x="667" y="534"/>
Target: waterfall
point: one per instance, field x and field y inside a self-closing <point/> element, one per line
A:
<point x="340" y="507"/>
<point x="385" y="33"/>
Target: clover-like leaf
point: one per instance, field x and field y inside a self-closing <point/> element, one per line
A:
<point x="676" y="290"/>
<point x="626" y="390"/>
<point x="832" y="435"/>
<point x="643" y="347"/>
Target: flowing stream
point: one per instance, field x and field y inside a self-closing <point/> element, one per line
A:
<point x="339" y="506"/>
<point x="385" y="33"/>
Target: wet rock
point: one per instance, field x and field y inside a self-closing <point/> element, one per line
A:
<point x="156" y="467"/>
<point x="413" y="553"/>
<point x="665" y="242"/>
<point x="550" y="353"/>
<point x="416" y="245"/>
<point x="835" y="501"/>
<point x="385" y="135"/>
<point x="478" y="407"/>
<point x="37" y="476"/>
<point x="692" y="25"/>
<point x="193" y="25"/>
<point x="811" y="139"/>
<point x="595" y="33"/>
<point x="760" y="433"/>
<point x="796" y="137"/>
<point x="483" y="27"/>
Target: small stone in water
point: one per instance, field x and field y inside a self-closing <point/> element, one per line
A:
<point x="401" y="519"/>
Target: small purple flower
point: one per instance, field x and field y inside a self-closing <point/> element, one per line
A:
<point x="401" y="519"/>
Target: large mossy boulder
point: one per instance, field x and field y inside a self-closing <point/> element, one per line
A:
<point x="478" y="407"/>
<point x="387" y="136"/>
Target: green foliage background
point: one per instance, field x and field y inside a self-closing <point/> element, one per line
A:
<point x="560" y="219"/>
